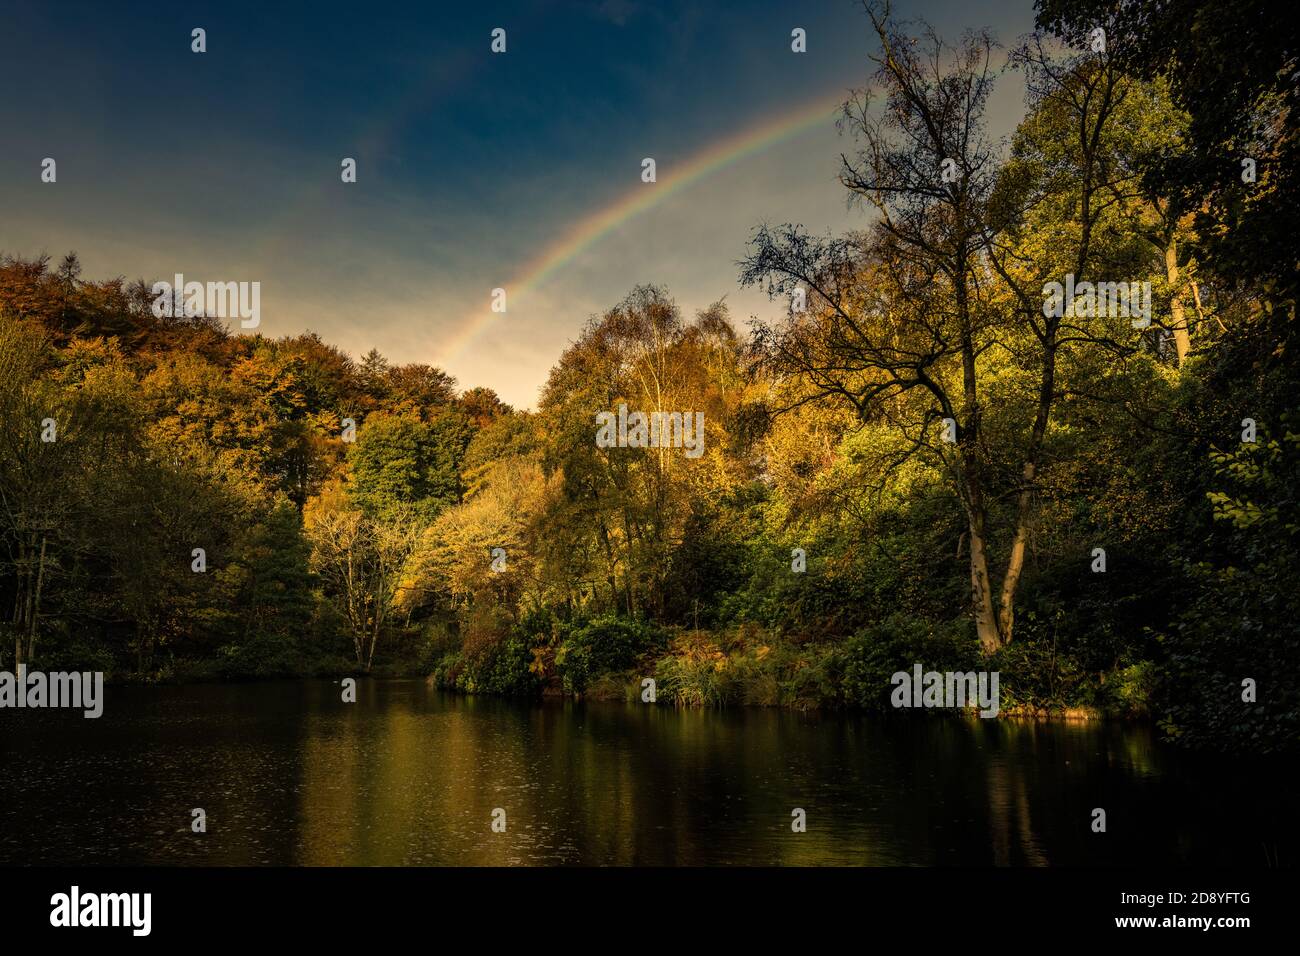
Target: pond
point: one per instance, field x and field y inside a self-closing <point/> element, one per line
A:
<point x="288" y="774"/>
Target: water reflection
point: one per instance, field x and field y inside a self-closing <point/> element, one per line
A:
<point x="288" y="774"/>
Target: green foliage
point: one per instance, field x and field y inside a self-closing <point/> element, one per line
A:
<point x="605" y="644"/>
<point x="402" y="462"/>
<point x="76" y="653"/>
<point x="1242" y="617"/>
<point x="502" y="667"/>
<point x="715" y="556"/>
<point x="1232" y="69"/>
<point x="869" y="659"/>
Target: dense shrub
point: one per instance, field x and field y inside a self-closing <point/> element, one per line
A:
<point x="601" y="646"/>
<point x="499" y="668"/>
<point x="868" y="659"/>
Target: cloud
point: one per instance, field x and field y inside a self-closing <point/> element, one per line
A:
<point x="616" y="11"/>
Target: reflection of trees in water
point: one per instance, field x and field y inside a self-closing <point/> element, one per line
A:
<point x="408" y="779"/>
<point x="288" y="774"/>
<point x="1009" y="813"/>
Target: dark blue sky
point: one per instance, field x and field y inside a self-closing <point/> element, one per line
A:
<point x="225" y="165"/>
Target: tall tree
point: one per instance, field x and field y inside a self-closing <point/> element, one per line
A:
<point x="907" y="319"/>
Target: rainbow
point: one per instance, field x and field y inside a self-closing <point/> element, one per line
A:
<point x="591" y="229"/>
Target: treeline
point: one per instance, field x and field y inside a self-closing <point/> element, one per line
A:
<point x="919" y="463"/>
<point x="155" y="473"/>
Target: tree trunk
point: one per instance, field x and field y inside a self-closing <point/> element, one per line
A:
<point x="1025" y="498"/>
<point x="20" y="600"/>
<point x="1182" y="335"/>
<point x="986" y="625"/>
<point x="36" y="607"/>
<point x="1016" y="562"/>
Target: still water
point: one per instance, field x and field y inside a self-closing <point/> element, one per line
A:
<point x="289" y="774"/>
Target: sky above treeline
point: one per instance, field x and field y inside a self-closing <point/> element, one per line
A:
<point x="475" y="170"/>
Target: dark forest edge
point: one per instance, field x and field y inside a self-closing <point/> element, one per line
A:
<point x="324" y="556"/>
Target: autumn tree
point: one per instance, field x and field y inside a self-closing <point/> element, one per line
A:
<point x="908" y="321"/>
<point x="620" y="512"/>
<point x="361" y="561"/>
